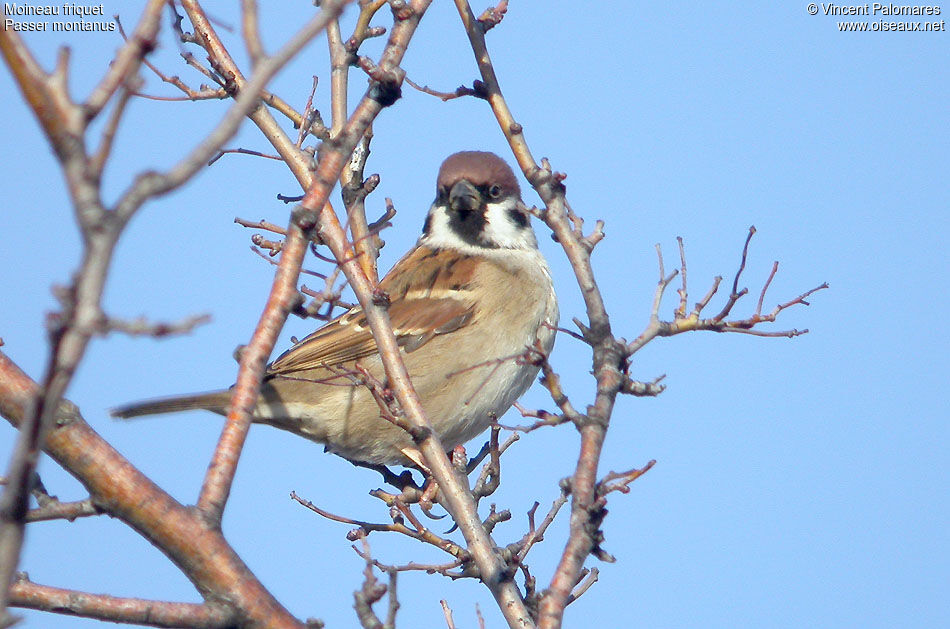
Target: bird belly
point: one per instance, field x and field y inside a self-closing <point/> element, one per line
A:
<point x="482" y="370"/>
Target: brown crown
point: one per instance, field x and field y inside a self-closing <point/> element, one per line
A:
<point x="478" y="168"/>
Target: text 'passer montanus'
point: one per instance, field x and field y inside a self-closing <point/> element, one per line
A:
<point x="467" y="304"/>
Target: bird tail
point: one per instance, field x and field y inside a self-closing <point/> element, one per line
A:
<point x="216" y="401"/>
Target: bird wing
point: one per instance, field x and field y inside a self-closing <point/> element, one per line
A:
<point x="425" y="301"/>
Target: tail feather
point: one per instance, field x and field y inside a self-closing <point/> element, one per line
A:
<point x="216" y="401"/>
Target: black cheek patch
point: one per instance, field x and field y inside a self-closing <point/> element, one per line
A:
<point x="470" y="227"/>
<point x="518" y="217"/>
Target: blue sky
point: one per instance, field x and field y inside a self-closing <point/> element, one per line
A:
<point x="799" y="482"/>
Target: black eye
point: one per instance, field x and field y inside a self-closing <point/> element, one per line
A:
<point x="495" y="191"/>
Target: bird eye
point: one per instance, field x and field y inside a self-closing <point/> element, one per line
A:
<point x="495" y="191"/>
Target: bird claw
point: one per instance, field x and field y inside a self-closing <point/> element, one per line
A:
<point x="429" y="491"/>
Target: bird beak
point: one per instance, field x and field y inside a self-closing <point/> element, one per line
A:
<point x="464" y="197"/>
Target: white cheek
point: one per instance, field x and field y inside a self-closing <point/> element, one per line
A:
<point x="500" y="229"/>
<point x="440" y="234"/>
<point x="504" y="231"/>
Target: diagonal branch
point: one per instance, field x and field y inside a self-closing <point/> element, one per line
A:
<point x="247" y="103"/>
<point x="384" y="85"/>
<point x="608" y="352"/>
<point x="64" y="124"/>
<point x="217" y="484"/>
<point x="122" y="491"/>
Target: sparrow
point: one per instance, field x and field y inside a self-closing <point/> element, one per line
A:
<point x="471" y="304"/>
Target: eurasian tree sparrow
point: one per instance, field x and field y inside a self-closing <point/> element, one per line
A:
<point x="467" y="304"/>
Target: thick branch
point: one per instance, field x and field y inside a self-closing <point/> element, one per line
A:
<point x="124" y="492"/>
<point x="24" y="593"/>
<point x="458" y="499"/>
<point x="217" y="484"/>
<point x="64" y="124"/>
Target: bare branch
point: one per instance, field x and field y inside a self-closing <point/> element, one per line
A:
<point x="261" y="224"/>
<point x="620" y="481"/>
<point x="447" y="96"/>
<point x="205" y="93"/>
<point x="24" y="593"/>
<point x="608" y="352"/>
<point x="643" y="389"/>
<point x="64" y="122"/>
<point x="447" y="611"/>
<point x="736" y="294"/>
<point x="492" y="16"/>
<point x="312" y="119"/>
<point x="544" y="419"/>
<point x="153" y="184"/>
<point x="371" y="592"/>
<point x="444" y="569"/>
<point x="142" y="327"/>
<point x="591" y="579"/>
<point x="217" y="484"/>
<point x="242" y="151"/>
<point x="126" y="494"/>
<point x="458" y="500"/>
<point x="56" y="510"/>
<point x="693" y="321"/>
<point x="98" y="161"/>
<point x="536" y="535"/>
<point x="398" y="525"/>
<point x="251" y="31"/>
<point x="127" y="62"/>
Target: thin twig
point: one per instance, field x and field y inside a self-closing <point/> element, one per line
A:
<point x="57" y="510"/>
<point x="585" y="585"/>
<point x="371" y="592"/>
<point x="143" y="327"/>
<point x="242" y="151"/>
<point x="447" y="96"/>
<point x="620" y="481"/>
<point x="447" y="612"/>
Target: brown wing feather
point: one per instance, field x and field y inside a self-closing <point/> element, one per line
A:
<point x="428" y="297"/>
